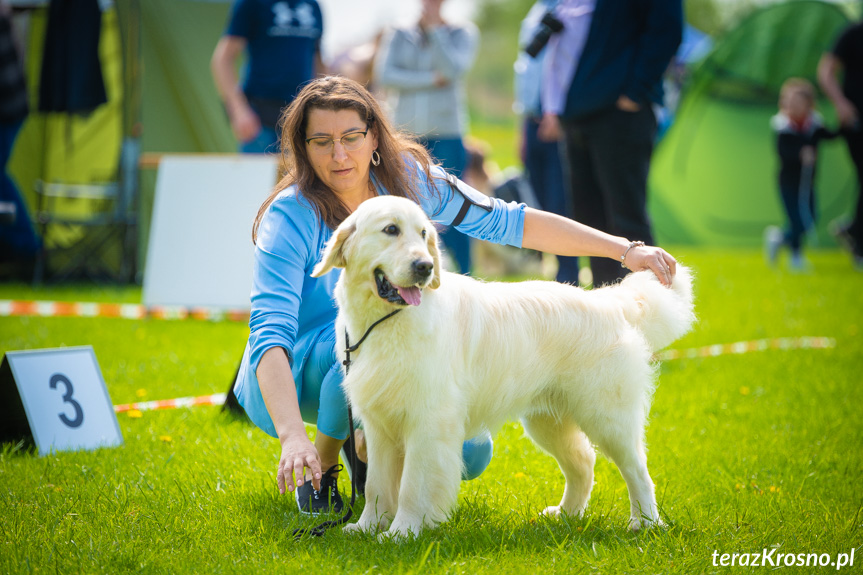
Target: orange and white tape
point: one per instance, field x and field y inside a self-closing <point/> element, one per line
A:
<point x="21" y="308"/>
<point x="739" y="347"/>
<point x="215" y="399"/>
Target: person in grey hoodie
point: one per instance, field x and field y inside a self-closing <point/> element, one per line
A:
<point x="423" y="68"/>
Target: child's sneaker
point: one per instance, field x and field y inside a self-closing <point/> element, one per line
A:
<point x="314" y="502"/>
<point x="773" y="239"/>
<point x="798" y="264"/>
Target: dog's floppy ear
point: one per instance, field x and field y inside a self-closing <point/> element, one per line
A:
<point x="434" y="250"/>
<point x="334" y="251"/>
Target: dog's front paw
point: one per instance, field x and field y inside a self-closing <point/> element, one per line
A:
<point x="400" y="531"/>
<point x="396" y="535"/>
<point x="552" y="511"/>
<point x="636" y="524"/>
<point x="390" y="536"/>
<point x="353" y="528"/>
<point x="365" y="525"/>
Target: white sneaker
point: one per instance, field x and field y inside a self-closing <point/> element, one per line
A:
<point x="799" y="264"/>
<point x="773" y="240"/>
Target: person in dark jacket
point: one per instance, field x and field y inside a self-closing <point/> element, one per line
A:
<point x="602" y="79"/>
<point x="798" y="128"/>
<point x="840" y="74"/>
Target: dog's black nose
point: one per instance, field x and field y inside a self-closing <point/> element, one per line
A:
<point x="423" y="268"/>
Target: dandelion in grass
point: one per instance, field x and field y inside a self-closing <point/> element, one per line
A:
<point x="165" y="438"/>
<point x="135" y="413"/>
<point x="141" y="393"/>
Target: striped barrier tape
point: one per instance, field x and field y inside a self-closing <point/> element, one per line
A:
<point x="215" y="399"/>
<point x="783" y="343"/>
<point x="739" y="347"/>
<point x="19" y="308"/>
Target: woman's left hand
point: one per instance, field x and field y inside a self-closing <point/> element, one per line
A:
<point x="654" y="259"/>
<point x="627" y="105"/>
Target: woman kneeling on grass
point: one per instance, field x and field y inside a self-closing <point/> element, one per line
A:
<point x="345" y="151"/>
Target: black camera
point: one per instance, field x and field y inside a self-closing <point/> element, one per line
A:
<point x="547" y="26"/>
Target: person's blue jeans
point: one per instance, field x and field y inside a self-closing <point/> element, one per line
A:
<point x="18" y="240"/>
<point x="545" y="174"/>
<point x="800" y="209"/>
<point x="451" y="154"/>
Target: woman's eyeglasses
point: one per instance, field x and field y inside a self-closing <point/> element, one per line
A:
<point x="324" y="145"/>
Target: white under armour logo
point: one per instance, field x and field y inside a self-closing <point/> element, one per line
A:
<point x="283" y="15"/>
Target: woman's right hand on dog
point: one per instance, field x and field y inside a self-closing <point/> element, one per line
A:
<point x="655" y="259"/>
<point x="298" y="454"/>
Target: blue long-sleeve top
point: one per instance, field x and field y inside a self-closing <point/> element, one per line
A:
<point x="287" y="302"/>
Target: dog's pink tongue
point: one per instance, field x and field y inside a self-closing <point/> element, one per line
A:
<point x="412" y="295"/>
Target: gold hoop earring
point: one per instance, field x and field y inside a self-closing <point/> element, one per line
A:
<point x="376" y="158"/>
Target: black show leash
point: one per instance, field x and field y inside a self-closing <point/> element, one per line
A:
<point x="322" y="528"/>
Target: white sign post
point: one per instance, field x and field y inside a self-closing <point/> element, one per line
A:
<point x="63" y="396"/>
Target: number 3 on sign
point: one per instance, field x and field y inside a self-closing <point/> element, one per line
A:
<point x="67" y="398"/>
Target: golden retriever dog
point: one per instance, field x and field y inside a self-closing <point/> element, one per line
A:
<point x="464" y="356"/>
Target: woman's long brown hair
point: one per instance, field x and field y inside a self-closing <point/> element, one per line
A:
<point x="396" y="149"/>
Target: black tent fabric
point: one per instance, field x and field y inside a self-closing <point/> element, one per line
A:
<point x="71" y="79"/>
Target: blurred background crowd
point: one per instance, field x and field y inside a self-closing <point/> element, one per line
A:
<point x="110" y="86"/>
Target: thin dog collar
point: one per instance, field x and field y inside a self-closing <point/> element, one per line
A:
<point x="352" y="348"/>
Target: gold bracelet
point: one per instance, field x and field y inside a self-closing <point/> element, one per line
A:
<point x="623" y="257"/>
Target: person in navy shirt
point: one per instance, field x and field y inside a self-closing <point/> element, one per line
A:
<point x="345" y="151"/>
<point x="282" y="40"/>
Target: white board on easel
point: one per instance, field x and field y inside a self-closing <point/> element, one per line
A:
<point x="200" y="252"/>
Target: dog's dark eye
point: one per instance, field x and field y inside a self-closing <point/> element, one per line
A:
<point x="424" y="233"/>
<point x="391" y="230"/>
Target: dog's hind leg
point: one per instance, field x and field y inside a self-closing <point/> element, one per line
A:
<point x="564" y="441"/>
<point x="621" y="440"/>
<point x="382" y="482"/>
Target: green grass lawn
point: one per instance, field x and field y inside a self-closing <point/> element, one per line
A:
<point x="748" y="452"/>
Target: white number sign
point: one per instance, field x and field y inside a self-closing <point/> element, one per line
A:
<point x="64" y="397"/>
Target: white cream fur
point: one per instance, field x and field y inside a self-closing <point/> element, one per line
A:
<point x="574" y="365"/>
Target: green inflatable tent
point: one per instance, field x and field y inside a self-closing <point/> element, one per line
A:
<point x="713" y="179"/>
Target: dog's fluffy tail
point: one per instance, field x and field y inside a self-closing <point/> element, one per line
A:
<point x="661" y="314"/>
